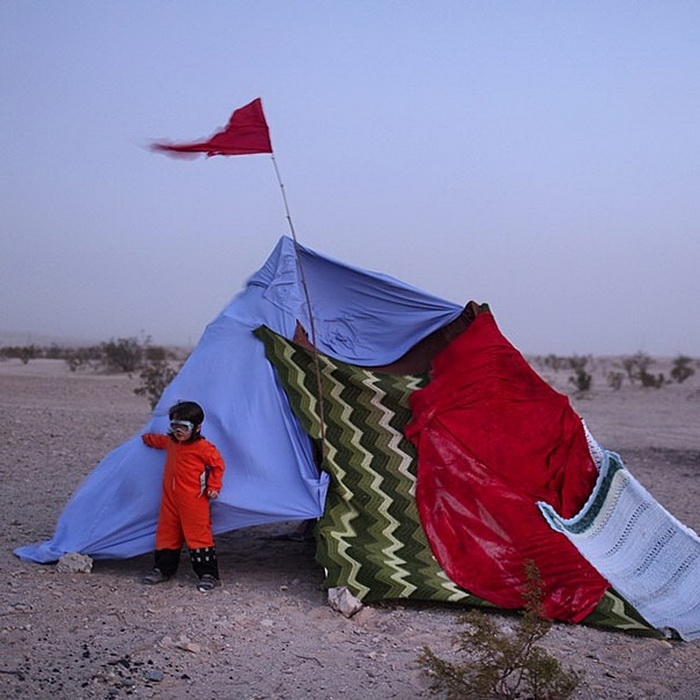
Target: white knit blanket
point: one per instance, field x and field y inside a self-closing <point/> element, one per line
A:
<point x="648" y="556"/>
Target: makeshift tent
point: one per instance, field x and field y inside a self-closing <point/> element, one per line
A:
<point x="420" y="518"/>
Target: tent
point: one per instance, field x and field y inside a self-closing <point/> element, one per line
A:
<point x="433" y="428"/>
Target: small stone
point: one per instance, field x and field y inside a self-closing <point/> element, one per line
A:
<point x="154" y="675"/>
<point x="186" y="645"/>
<point x="74" y="563"/>
<point x="341" y="600"/>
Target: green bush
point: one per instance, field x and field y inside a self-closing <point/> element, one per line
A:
<point x="122" y="355"/>
<point x="682" y="368"/>
<point x="556" y="362"/>
<point x="83" y="358"/>
<point x="502" y="665"/>
<point x="157" y="365"/>
<point x="615" y="379"/>
<point x="581" y="379"/>
<point x="22" y="352"/>
<point x="637" y="368"/>
<point x="155" y="376"/>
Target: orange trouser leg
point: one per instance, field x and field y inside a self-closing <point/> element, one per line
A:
<point x="195" y="520"/>
<point x="196" y="525"/>
<point x="185" y="519"/>
<point x="169" y="534"/>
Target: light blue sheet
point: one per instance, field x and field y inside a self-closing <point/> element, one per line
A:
<point x="647" y="555"/>
<point x="360" y="317"/>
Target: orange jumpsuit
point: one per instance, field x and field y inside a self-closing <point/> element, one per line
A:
<point x="190" y="469"/>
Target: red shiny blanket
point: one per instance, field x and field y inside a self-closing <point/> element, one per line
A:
<point x="493" y="438"/>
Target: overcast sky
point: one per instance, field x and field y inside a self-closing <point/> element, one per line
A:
<point x="541" y="156"/>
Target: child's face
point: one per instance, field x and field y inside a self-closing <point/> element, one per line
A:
<point x="181" y="430"/>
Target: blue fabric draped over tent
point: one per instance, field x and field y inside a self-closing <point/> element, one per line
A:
<point x="360" y="317"/>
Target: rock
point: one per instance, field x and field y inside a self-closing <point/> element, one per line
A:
<point x="154" y="675"/>
<point x="343" y="601"/>
<point x="183" y="642"/>
<point x="74" y="563"/>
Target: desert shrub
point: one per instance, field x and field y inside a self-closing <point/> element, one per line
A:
<point x="581" y="379"/>
<point x="156" y="353"/>
<point x="155" y="375"/>
<point x="636" y="364"/>
<point x="158" y="365"/>
<point x="682" y="368"/>
<point x="122" y="355"/>
<point x="655" y="381"/>
<point x="83" y="358"/>
<point x="615" y="379"/>
<point x="556" y="362"/>
<point x="22" y="352"/>
<point x="54" y="352"/>
<point x="637" y="368"/>
<point x="29" y="352"/>
<point x="502" y="665"/>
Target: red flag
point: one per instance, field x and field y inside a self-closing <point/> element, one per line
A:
<point x="245" y="133"/>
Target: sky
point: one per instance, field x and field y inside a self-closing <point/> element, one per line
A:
<point x="543" y="157"/>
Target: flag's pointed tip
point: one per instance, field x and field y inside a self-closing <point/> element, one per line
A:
<point x="172" y="151"/>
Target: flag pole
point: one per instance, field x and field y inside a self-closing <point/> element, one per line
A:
<point x="247" y="133"/>
<point x="307" y="298"/>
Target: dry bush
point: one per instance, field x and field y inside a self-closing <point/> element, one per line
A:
<point x="497" y="664"/>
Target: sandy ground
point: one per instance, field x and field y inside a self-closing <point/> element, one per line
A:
<point x="269" y="633"/>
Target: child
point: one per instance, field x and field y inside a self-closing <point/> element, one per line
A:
<point x="193" y="474"/>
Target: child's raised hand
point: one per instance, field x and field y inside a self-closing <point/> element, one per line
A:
<point x="211" y="493"/>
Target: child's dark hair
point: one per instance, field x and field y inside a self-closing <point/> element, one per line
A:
<point x="189" y="411"/>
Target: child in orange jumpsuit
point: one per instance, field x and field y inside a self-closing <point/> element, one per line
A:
<point x="193" y="475"/>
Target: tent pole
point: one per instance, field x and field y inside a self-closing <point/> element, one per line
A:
<point x="307" y="298"/>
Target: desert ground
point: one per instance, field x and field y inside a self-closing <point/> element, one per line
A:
<point x="269" y="632"/>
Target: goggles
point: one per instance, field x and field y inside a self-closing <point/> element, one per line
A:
<point x="181" y="426"/>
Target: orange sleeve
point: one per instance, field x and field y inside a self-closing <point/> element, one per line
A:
<point x="156" y="440"/>
<point x="216" y="465"/>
